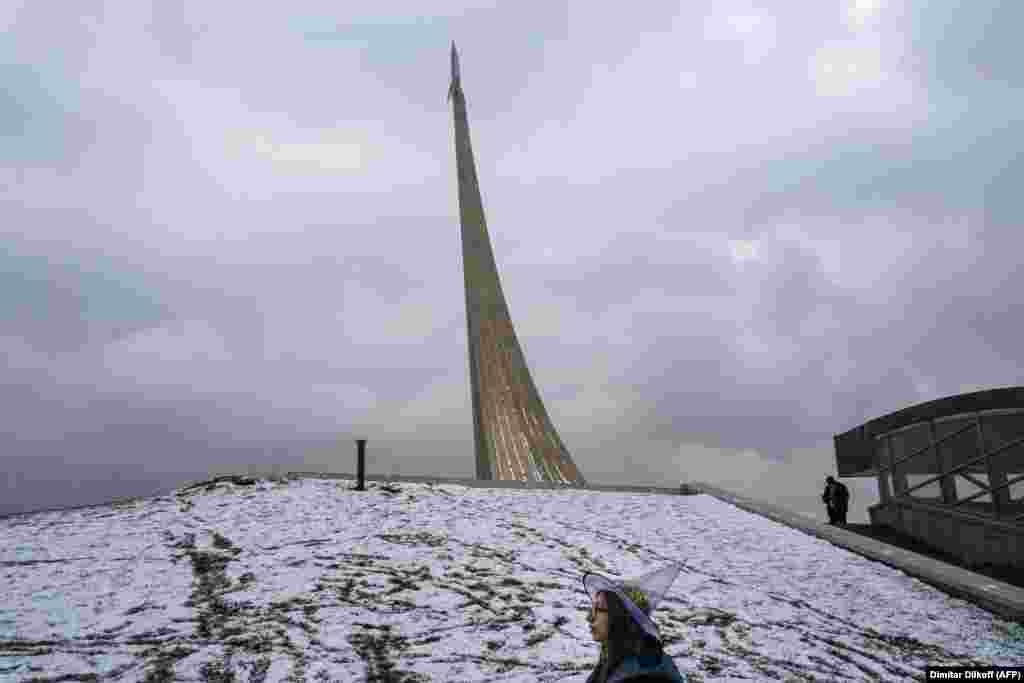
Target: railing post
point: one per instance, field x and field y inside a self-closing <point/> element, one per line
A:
<point x="944" y="464"/>
<point x="899" y="477"/>
<point x="884" y="470"/>
<point x="899" y="484"/>
<point x="361" y="464"/>
<point x="996" y="475"/>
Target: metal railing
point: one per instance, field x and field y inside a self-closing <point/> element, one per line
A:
<point x="890" y="467"/>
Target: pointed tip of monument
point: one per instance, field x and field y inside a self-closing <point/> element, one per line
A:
<point x="455" y="70"/>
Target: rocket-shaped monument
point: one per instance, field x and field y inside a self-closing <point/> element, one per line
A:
<point x="515" y="439"/>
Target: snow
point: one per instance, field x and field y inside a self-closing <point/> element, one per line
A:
<point x="309" y="580"/>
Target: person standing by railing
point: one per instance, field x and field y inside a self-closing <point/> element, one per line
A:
<point x="837" y="500"/>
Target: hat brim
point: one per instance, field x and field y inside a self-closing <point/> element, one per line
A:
<point x="595" y="583"/>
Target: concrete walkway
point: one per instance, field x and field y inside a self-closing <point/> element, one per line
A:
<point x="996" y="596"/>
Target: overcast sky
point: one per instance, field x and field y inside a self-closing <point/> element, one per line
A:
<point x="726" y="230"/>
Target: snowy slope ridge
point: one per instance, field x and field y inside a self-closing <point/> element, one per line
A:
<point x="305" y="579"/>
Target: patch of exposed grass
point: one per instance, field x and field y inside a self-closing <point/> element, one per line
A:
<point x="217" y="671"/>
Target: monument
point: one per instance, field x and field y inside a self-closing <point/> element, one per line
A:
<point x="515" y="439"/>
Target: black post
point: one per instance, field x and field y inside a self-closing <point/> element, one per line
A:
<point x="361" y="465"/>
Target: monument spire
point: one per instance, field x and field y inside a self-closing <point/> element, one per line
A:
<point x="514" y="437"/>
<point x="455" y="71"/>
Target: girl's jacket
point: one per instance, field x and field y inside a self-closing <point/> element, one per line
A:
<point x="646" y="670"/>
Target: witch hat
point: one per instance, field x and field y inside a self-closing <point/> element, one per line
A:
<point x="640" y="595"/>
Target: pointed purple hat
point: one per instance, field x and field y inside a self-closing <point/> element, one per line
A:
<point x="640" y="596"/>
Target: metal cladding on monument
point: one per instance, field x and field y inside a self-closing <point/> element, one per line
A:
<point x="515" y="439"/>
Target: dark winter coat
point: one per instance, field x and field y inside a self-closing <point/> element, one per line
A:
<point x="836" y="495"/>
<point x="636" y="669"/>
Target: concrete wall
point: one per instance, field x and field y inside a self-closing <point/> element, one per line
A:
<point x="505" y="484"/>
<point x="975" y="540"/>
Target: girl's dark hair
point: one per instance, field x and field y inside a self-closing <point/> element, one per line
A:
<point x="625" y="638"/>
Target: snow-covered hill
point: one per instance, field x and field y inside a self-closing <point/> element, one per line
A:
<point x="308" y="580"/>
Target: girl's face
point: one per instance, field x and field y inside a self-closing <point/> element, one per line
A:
<point x="599" y="618"/>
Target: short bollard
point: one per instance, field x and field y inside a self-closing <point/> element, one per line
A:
<point x="361" y="465"/>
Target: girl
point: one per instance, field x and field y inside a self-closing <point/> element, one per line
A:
<point x="620" y="620"/>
